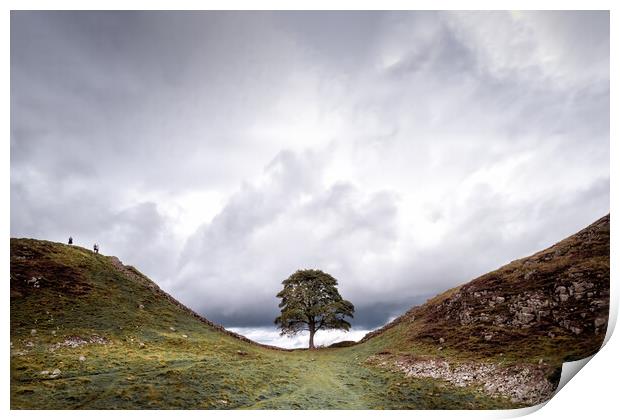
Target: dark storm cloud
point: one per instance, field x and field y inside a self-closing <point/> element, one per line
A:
<point x="218" y="152"/>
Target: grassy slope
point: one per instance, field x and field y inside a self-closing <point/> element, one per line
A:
<point x="77" y="294"/>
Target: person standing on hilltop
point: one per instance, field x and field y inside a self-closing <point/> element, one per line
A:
<point x="70" y="240"/>
<point x="96" y="248"/>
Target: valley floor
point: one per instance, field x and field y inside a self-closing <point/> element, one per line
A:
<point x="215" y="372"/>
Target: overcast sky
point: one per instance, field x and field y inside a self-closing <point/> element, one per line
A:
<point x="404" y="153"/>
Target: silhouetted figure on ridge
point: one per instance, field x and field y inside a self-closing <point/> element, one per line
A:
<point x="70" y="240"/>
<point x="96" y="248"/>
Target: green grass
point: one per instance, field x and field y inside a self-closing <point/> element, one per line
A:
<point x="81" y="294"/>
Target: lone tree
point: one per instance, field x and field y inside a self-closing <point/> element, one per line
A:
<point x="310" y="301"/>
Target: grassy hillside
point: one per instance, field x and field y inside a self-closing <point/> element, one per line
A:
<point x="88" y="332"/>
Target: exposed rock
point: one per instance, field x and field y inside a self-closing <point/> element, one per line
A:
<point x="441" y="340"/>
<point x="526" y="384"/>
<point x="75" y="342"/>
<point x="576" y="330"/>
<point x="56" y="373"/>
<point x="172" y="329"/>
<point x="82" y="358"/>
<point x="599" y="322"/>
<point x="33" y="332"/>
<point x="34" y="282"/>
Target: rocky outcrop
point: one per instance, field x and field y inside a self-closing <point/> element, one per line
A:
<point x="523" y="384"/>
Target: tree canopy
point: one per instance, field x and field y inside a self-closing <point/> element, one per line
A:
<point x="310" y="301"/>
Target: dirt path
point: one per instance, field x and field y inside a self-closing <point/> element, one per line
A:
<point x="325" y="381"/>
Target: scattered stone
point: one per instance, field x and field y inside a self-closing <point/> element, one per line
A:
<point x="540" y="362"/>
<point x="172" y="329"/>
<point x="563" y="297"/>
<point x="141" y="344"/>
<point x="33" y="332"/>
<point x="184" y="336"/>
<point x="141" y="306"/>
<point x="441" y="340"/>
<point x="599" y="322"/>
<point x="488" y="337"/>
<point x="75" y="342"/>
<point x="521" y="383"/>
<point x="576" y="330"/>
<point x="44" y="372"/>
<point x="241" y="353"/>
<point x="55" y="373"/>
<point x="527" y="310"/>
<point x="34" y="282"/>
<point x="222" y="402"/>
<point x="82" y="358"/>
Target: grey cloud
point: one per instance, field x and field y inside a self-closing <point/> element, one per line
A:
<point x="403" y="152"/>
<point x="289" y="214"/>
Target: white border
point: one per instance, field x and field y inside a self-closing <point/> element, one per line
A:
<point x="591" y="395"/>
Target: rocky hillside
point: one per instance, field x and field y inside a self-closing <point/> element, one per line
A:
<point x="552" y="305"/>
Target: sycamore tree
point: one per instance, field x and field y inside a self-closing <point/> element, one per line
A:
<point x="310" y="302"/>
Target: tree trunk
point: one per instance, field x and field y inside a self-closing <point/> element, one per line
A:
<point x="311" y="344"/>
